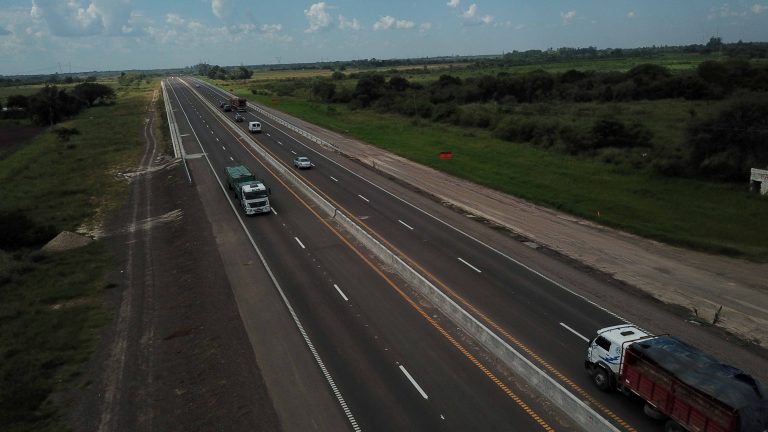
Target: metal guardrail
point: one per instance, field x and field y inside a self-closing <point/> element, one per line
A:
<point x="178" y="149"/>
<point x="581" y="413"/>
<point x="293" y="127"/>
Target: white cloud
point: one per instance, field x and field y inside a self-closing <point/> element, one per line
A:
<point x="425" y="26"/>
<point x="725" y="11"/>
<point x="631" y="14"/>
<point x="568" y="16"/>
<point x="84" y="18"/>
<point x="174" y="20"/>
<point x="758" y="8"/>
<point x="471" y="17"/>
<point x="388" y="22"/>
<point x="384" y="23"/>
<point x="453" y="3"/>
<point x="272" y="32"/>
<point x="345" y="24"/>
<point x="221" y="8"/>
<point x="404" y="24"/>
<point x="318" y="17"/>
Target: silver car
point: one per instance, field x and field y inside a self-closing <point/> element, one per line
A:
<point x="302" y="162"/>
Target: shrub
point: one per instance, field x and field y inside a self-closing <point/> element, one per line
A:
<point x="475" y="115"/>
<point x="614" y="133"/>
<point x="729" y="144"/>
<point x="324" y="90"/>
<point x="17" y="231"/>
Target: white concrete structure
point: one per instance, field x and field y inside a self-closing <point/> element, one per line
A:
<point x="758" y="181"/>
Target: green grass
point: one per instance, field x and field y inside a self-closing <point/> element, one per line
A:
<point x="714" y="217"/>
<point x="51" y="305"/>
<point x="63" y="183"/>
<point x="50" y="315"/>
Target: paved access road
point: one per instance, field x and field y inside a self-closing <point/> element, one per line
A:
<point x="539" y="316"/>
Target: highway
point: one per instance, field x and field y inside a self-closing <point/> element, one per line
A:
<point x="389" y="356"/>
<point x="393" y="367"/>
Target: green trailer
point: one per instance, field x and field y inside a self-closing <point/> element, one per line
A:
<point x="251" y="193"/>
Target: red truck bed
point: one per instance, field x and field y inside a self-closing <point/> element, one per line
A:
<point x="692" y="388"/>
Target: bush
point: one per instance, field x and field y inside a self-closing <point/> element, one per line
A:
<point x="475" y="115"/>
<point x="18" y="231"/>
<point x="446" y="113"/>
<point x="614" y="133"/>
<point x="324" y="90"/>
<point x="729" y="144"/>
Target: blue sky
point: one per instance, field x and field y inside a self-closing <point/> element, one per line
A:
<point x="44" y="36"/>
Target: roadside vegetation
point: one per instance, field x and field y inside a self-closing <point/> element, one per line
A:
<point x="52" y="304"/>
<point x="661" y="152"/>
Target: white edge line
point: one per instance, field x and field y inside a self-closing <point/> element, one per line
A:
<point x="405" y="224"/>
<point x="426" y="213"/>
<point x="574" y="332"/>
<point x="413" y="381"/>
<point x="340" y="293"/>
<point x="470" y="266"/>
<point x="299" y="242"/>
<point x="310" y="345"/>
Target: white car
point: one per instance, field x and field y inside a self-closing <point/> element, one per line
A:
<point x="254" y="127"/>
<point x="302" y="162"/>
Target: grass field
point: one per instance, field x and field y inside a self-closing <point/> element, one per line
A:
<point x="51" y="305"/>
<point x="715" y="217"/>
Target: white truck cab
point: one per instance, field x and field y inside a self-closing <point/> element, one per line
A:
<point x="255" y="198"/>
<point x="254" y="127"/>
<point x="606" y="350"/>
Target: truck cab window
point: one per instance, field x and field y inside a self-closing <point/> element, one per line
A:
<point x="603" y="343"/>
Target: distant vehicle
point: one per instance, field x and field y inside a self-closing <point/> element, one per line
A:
<point x="302" y="162"/>
<point x="239" y="118"/>
<point x="239" y="104"/>
<point x="227" y="108"/>
<point x="254" y="127"/>
<point x="221" y="104"/>
<point x="197" y="85"/>
<point x="687" y="388"/>
<point x="252" y="193"/>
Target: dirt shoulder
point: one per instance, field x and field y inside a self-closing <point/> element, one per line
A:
<point x="699" y="282"/>
<point x="176" y="356"/>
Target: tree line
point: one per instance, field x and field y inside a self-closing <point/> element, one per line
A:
<point x="723" y="147"/>
<point x="51" y="104"/>
<point x="223" y="73"/>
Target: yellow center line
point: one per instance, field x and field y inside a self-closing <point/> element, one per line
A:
<point x="528" y="410"/>
<point x="477" y="313"/>
<point x="410" y="301"/>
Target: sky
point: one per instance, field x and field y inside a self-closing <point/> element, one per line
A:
<point x="47" y="36"/>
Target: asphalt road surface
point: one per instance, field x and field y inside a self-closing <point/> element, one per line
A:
<point x="395" y="362"/>
<point x="391" y="362"/>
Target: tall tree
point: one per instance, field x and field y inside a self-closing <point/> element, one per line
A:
<point x="93" y="92"/>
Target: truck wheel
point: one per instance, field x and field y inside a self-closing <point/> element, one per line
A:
<point x="653" y="413"/>
<point x="672" y="426"/>
<point x="600" y="378"/>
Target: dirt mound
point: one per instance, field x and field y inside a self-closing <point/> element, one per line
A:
<point x="66" y="240"/>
